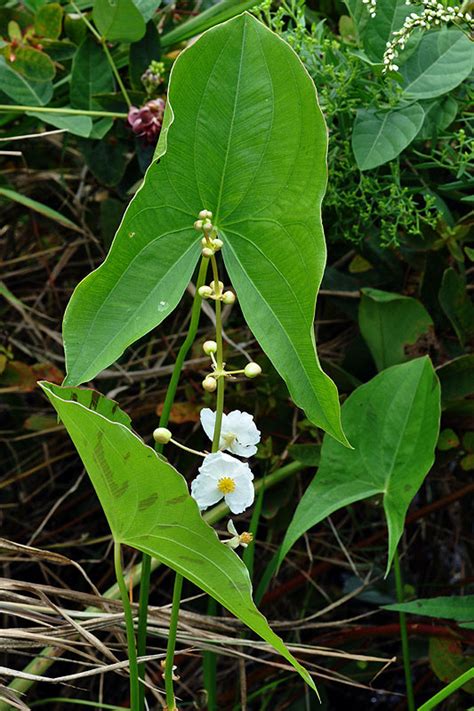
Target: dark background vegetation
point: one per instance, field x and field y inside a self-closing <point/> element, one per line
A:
<point x="398" y="228"/>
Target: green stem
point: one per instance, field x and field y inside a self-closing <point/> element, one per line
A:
<point x="219" y="361"/>
<point x="127" y="610"/>
<point x="62" y="110"/>
<point x="209" y="658"/>
<point x="171" y="646"/>
<point x="404" y="634"/>
<point x="115" y="71"/>
<point x="448" y="690"/>
<point x="164" y="419"/>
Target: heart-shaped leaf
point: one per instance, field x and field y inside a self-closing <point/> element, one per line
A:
<point x="380" y="136"/>
<point x="148" y="506"/>
<point x="393" y="422"/>
<point x="244" y="138"/>
<point x="118" y="20"/>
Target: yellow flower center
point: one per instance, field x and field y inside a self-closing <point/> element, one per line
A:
<point x="246" y="537"/>
<point x="226" y="485"/>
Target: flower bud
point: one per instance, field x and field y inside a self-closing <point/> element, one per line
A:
<point x="162" y="435"/>
<point x="205" y="292"/>
<point x="228" y="297"/>
<point x="251" y="370"/>
<point x="213" y="285"/>
<point x="207" y="252"/>
<point x="205" y="215"/>
<point x="209" y="347"/>
<point x="217" y="243"/>
<point x="209" y="383"/>
<point x="198" y="225"/>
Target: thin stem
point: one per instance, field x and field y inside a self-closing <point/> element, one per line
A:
<point x="62" y="110"/>
<point x="404" y="634"/>
<point x="170" y="649"/>
<point x="448" y="690"/>
<point x="115" y="71"/>
<point x="164" y="419"/>
<point x="187" y="449"/>
<point x="127" y="610"/>
<point x="219" y="360"/>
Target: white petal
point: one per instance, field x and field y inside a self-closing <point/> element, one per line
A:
<point x="243" y="426"/>
<point x="231" y="528"/>
<point x="208" y="421"/>
<point x="242" y="497"/>
<point x="242" y="450"/>
<point x="220" y="464"/>
<point x="204" y="491"/>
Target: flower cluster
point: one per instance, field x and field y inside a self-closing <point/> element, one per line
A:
<point x="433" y="13"/>
<point x="152" y="78"/>
<point x="371" y="6"/>
<point x="222" y="476"/>
<point x="147" y="121"/>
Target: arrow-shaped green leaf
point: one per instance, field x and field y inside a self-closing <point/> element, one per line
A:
<point x="148" y="506"/>
<point x="393" y="421"/>
<point x="245" y="138"/>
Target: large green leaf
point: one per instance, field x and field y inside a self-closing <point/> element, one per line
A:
<point x="389" y="323"/>
<point x="442" y="61"/>
<point x="380" y="136"/>
<point x="91" y="74"/>
<point x="245" y="138"/>
<point x="148" y="506"/>
<point x="21" y="89"/>
<point x="393" y="423"/>
<point x="118" y="20"/>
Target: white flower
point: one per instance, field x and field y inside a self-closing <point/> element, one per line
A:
<point x="238" y="539"/>
<point x="239" y="433"/>
<point x="223" y="477"/>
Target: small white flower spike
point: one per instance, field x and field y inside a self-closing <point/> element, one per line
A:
<point x="238" y="539"/>
<point x="239" y="433"/>
<point x="223" y="477"/>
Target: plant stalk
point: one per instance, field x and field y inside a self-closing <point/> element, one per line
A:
<point x="404" y="634"/>
<point x="127" y="610"/>
<point x="164" y="419"/>
<point x="171" y="646"/>
<point x="62" y="110"/>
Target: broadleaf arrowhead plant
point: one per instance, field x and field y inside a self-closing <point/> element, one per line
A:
<point x="244" y="138"/>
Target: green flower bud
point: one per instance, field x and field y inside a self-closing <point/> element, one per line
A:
<point x="205" y="215"/>
<point x="217" y="243"/>
<point x="198" y="225"/>
<point x="209" y="383"/>
<point x="209" y="347"/>
<point x="251" y="370"/>
<point x="207" y="252"/>
<point x="228" y="297"/>
<point x="213" y="285"/>
<point x="205" y="292"/>
<point x="162" y="435"/>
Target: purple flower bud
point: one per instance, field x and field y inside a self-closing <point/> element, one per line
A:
<point x="147" y="121"/>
